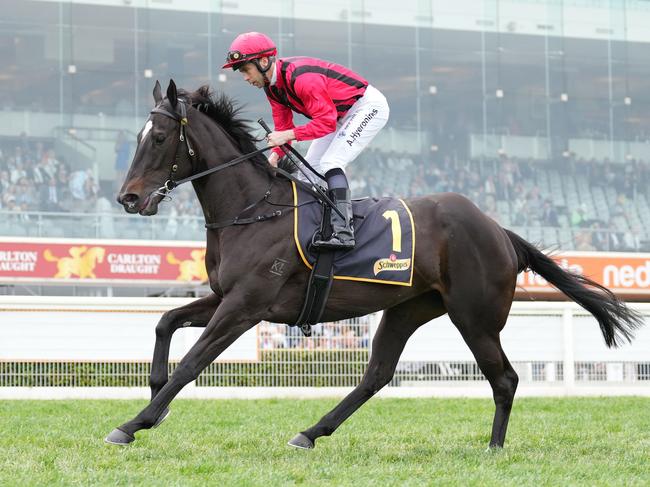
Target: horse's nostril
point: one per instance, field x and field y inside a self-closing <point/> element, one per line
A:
<point x="129" y="199"/>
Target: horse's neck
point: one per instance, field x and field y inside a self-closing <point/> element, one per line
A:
<point x="224" y="194"/>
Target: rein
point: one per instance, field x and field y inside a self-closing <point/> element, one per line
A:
<point x="170" y="184"/>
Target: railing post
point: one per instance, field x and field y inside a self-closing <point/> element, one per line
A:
<point x="189" y="338"/>
<point x="550" y="372"/>
<point x="569" y="358"/>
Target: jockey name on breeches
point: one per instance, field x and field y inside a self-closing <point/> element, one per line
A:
<point x="354" y="131"/>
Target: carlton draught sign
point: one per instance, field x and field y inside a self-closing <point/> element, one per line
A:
<point x="101" y="261"/>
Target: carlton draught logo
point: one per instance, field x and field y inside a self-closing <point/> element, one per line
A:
<point x="190" y="270"/>
<point x="392" y="263"/>
<point x="81" y="263"/>
<point x="18" y="260"/>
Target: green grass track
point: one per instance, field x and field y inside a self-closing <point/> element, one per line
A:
<point x="551" y="442"/>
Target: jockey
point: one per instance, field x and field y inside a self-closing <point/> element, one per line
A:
<point x="345" y="111"/>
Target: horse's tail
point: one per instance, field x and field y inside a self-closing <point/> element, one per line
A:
<point x="616" y="320"/>
<point x="49" y="256"/>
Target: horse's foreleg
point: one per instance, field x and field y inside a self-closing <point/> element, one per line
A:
<point x="224" y="328"/>
<point x="194" y="314"/>
<point x="397" y="325"/>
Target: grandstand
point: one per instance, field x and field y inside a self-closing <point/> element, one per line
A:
<point x="544" y="125"/>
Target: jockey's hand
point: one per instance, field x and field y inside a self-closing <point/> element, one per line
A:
<point x="273" y="159"/>
<point x="280" y="138"/>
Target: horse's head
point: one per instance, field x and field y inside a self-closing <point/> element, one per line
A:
<point x="162" y="148"/>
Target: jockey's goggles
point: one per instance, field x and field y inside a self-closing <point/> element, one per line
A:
<point x="238" y="56"/>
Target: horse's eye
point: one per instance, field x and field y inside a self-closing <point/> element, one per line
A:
<point x="159" y="139"/>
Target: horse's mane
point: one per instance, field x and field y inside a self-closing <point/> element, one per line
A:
<point x="226" y="113"/>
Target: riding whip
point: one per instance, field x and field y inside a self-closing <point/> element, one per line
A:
<point x="288" y="150"/>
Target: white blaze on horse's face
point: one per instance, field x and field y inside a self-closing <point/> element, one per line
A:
<point x="147" y="127"/>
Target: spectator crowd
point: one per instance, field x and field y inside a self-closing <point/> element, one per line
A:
<point x="337" y="335"/>
<point x="33" y="177"/>
<point x="506" y="189"/>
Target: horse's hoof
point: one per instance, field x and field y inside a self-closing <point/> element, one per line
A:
<point x="119" y="437"/>
<point x="301" y="441"/>
<point x="161" y="418"/>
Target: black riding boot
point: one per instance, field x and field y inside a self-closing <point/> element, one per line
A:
<point x="343" y="232"/>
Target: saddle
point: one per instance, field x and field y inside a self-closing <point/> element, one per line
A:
<point x="384" y="251"/>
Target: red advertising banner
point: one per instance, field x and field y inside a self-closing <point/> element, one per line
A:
<point x="101" y="261"/>
<point x="134" y="261"/>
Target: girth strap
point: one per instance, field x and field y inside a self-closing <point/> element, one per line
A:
<point x="320" y="282"/>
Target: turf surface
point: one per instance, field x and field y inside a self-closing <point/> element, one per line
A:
<point x="577" y="441"/>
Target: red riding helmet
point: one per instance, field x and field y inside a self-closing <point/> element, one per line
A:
<point x="249" y="47"/>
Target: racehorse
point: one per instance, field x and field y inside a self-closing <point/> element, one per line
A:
<point x="465" y="265"/>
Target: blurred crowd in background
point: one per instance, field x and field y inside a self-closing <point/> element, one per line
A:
<point x="602" y="205"/>
<point x="337" y="335"/>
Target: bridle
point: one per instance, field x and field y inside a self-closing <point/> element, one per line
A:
<point x="170" y="184"/>
<point x="181" y="118"/>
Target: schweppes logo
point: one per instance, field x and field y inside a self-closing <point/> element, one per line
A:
<point x="391" y="263"/>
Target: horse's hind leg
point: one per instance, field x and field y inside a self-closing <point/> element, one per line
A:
<point x="502" y="377"/>
<point x="397" y="325"/>
<point x="478" y="279"/>
<point x="480" y="324"/>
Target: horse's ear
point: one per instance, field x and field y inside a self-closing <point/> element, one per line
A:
<point x="157" y="93"/>
<point x="172" y="96"/>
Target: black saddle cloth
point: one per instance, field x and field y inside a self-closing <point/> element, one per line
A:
<point x="384" y="233"/>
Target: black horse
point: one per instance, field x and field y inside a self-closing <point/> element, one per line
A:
<point x="465" y="265"/>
